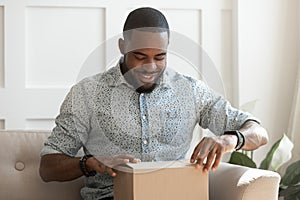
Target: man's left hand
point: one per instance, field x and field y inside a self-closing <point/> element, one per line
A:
<point x="212" y="149"/>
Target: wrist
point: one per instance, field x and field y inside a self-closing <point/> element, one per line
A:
<point x="83" y="164"/>
<point x="231" y="140"/>
<point x="240" y="138"/>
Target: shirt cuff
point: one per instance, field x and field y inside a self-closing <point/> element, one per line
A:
<point x="48" y="150"/>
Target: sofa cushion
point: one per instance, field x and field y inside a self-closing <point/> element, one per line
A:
<point x="19" y="169"/>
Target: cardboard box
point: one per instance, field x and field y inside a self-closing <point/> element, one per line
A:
<point x="168" y="180"/>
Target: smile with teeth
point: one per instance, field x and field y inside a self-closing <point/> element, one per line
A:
<point x="147" y="77"/>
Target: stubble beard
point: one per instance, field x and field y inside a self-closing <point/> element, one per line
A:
<point x="140" y="88"/>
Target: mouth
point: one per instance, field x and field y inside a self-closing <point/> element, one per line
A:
<point x="148" y="77"/>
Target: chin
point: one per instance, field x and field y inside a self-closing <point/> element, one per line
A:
<point x="146" y="89"/>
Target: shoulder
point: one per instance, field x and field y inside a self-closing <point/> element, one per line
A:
<point x="97" y="80"/>
<point x="173" y="78"/>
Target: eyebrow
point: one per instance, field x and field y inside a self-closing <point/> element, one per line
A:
<point x="142" y="54"/>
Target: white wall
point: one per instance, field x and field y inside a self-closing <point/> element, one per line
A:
<point x="47" y="45"/>
<point x="268" y="57"/>
<point x="1" y="56"/>
<point x="294" y="125"/>
<point x="253" y="46"/>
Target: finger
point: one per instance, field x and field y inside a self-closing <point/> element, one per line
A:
<point x="204" y="147"/>
<point x="210" y="158"/>
<point x="207" y="147"/>
<point x="125" y="156"/>
<point x="111" y="172"/>
<point x="204" y="151"/>
<point x="135" y="160"/>
<point x="199" y="163"/>
<point x="118" y="161"/>
<point x="196" y="151"/>
<point x="217" y="161"/>
<point x="131" y="158"/>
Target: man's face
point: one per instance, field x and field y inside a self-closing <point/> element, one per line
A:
<point x="145" y="59"/>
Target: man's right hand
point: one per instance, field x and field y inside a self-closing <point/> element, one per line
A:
<point x="105" y="164"/>
<point x="61" y="167"/>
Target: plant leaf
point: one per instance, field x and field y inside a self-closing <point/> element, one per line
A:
<point x="291" y="193"/>
<point x="280" y="153"/>
<point x="283" y="153"/>
<point x="292" y="174"/>
<point x="238" y="158"/>
<point x="267" y="161"/>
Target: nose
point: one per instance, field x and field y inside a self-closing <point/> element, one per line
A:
<point x="149" y="66"/>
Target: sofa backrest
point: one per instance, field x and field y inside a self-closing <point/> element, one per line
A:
<point x="19" y="169"/>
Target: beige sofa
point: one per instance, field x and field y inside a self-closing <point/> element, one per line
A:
<point x="19" y="155"/>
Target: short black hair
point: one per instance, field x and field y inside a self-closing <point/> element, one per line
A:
<point x="146" y="17"/>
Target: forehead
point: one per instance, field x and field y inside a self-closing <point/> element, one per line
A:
<point x="146" y="40"/>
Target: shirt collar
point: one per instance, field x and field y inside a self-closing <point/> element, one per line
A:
<point x="165" y="79"/>
<point x="116" y="77"/>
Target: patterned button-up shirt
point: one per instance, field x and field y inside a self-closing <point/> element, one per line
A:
<point x="106" y="116"/>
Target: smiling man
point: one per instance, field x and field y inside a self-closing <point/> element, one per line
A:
<point x="140" y="110"/>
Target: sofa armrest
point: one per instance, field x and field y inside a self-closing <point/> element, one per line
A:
<point x="237" y="182"/>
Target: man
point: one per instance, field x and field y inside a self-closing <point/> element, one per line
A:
<point x="139" y="110"/>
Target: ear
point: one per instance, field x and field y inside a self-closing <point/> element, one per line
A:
<point x="122" y="46"/>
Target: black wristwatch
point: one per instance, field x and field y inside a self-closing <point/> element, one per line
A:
<point x="82" y="164"/>
<point x="240" y="138"/>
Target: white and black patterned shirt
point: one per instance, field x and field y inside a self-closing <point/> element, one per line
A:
<point x="106" y="116"/>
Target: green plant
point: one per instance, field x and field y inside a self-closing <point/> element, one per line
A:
<point x="279" y="154"/>
<point x="290" y="182"/>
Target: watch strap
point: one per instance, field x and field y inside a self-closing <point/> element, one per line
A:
<point x="82" y="164"/>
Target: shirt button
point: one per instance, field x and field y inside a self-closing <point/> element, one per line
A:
<point x="144" y="117"/>
<point x="142" y="94"/>
<point x="145" y="142"/>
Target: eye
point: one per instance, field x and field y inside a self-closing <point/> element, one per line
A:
<point x="139" y="57"/>
<point x="160" y="58"/>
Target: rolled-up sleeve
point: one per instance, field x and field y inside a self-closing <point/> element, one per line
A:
<point x="72" y="125"/>
<point x="216" y="113"/>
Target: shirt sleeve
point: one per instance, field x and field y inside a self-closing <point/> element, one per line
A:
<point x="216" y="113"/>
<point x="72" y="125"/>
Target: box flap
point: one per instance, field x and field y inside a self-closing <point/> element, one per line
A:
<point x="150" y="166"/>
